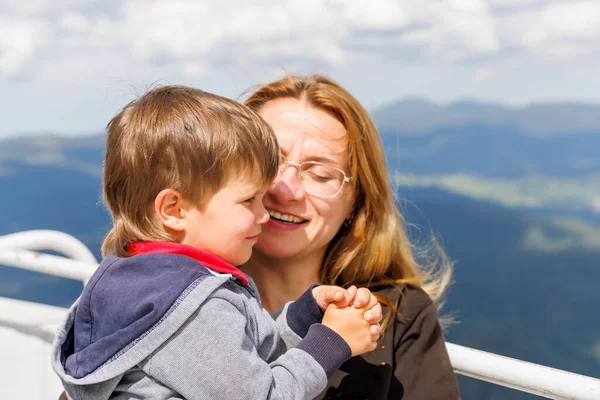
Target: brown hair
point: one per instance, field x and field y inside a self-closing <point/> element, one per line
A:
<point x="371" y="249"/>
<point x="181" y="138"/>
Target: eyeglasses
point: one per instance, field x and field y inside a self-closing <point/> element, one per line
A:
<point x="318" y="179"/>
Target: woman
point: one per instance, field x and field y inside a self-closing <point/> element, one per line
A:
<point x="334" y="221"/>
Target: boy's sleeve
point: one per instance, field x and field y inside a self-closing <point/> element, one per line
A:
<point x="296" y="318"/>
<point x="212" y="356"/>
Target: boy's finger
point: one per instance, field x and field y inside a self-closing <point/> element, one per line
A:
<point x="362" y="297"/>
<point x="372" y="302"/>
<point x="337" y="296"/>
<point x="375" y="330"/>
<point x="350" y="293"/>
<point x="334" y="294"/>
<point x="375" y="314"/>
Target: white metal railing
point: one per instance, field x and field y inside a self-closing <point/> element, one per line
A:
<point x="16" y="250"/>
<point x="47" y="264"/>
<point x="521" y="375"/>
<point x="49" y="240"/>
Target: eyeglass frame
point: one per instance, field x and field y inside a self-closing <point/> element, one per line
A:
<point x="286" y="163"/>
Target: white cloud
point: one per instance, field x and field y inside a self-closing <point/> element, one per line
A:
<point x="573" y="20"/>
<point x="25" y="7"/>
<point x="213" y="32"/>
<point x="564" y="30"/>
<point x="39" y="7"/>
<point x="75" y="22"/>
<point x="19" y="40"/>
<point x="468" y="47"/>
<point x="513" y="3"/>
<point x="200" y="36"/>
<point x="293" y="32"/>
<point x="453" y="30"/>
<point x="483" y="74"/>
<point x="374" y="14"/>
<point x="333" y="32"/>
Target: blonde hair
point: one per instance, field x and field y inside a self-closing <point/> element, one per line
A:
<point x="372" y="247"/>
<point x="181" y="138"/>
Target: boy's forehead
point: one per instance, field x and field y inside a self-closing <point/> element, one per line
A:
<point x="248" y="177"/>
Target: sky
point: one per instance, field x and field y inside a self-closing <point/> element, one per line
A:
<point x="67" y="66"/>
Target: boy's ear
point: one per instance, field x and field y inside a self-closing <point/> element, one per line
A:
<point x="170" y="208"/>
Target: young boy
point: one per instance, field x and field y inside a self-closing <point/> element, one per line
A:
<point x="167" y="315"/>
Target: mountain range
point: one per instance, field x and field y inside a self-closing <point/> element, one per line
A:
<point x="417" y="116"/>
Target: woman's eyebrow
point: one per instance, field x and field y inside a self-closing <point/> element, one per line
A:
<point x="323" y="159"/>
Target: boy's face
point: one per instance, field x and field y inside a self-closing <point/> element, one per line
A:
<point x="228" y="224"/>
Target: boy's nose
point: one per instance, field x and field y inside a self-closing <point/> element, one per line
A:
<point x="263" y="215"/>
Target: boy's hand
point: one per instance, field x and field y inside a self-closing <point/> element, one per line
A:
<point x="350" y="323"/>
<point x="325" y="295"/>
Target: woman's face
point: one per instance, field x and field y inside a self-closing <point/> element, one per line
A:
<point x="301" y="224"/>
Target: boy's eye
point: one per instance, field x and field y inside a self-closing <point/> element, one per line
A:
<point x="250" y="200"/>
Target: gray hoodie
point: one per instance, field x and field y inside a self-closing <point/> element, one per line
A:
<point x="179" y="323"/>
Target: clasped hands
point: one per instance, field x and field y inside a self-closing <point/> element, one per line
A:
<point x="353" y="313"/>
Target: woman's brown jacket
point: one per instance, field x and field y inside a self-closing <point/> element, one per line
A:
<point x="411" y="360"/>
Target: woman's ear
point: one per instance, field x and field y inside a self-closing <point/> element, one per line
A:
<point x="350" y="217"/>
<point x="170" y="209"/>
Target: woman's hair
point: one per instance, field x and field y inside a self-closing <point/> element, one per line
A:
<point x="184" y="139"/>
<point x="372" y="247"/>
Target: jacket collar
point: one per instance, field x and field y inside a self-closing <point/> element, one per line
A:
<point x="209" y="260"/>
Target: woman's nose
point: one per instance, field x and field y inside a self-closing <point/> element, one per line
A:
<point x="288" y="187"/>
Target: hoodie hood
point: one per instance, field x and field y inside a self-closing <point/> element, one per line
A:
<point x="130" y="307"/>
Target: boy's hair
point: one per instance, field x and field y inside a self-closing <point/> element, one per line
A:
<point x="181" y="138"/>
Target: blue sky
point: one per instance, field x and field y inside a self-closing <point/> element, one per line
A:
<point x="67" y="66"/>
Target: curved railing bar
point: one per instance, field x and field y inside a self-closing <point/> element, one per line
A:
<point x="47" y="264"/>
<point x="49" y="240"/>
